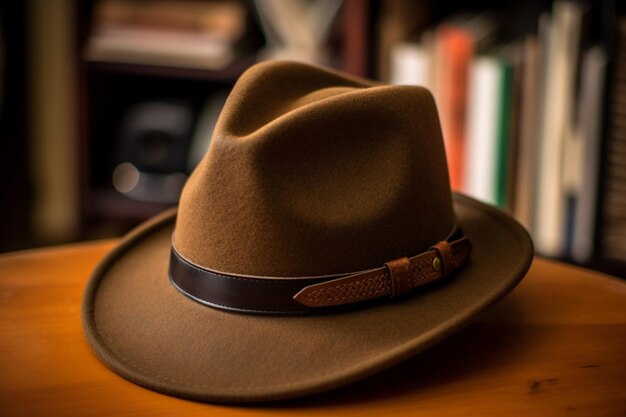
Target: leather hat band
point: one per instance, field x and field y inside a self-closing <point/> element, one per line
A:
<point x="286" y="295"/>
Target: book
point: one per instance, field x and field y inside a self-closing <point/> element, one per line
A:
<point x="513" y="135"/>
<point x="410" y="64"/>
<point x="185" y="33"/>
<point x="455" y="48"/>
<point x="612" y="239"/>
<point x="504" y="145"/>
<point x="486" y="80"/>
<point x="528" y="129"/>
<point x="587" y="149"/>
<point x="549" y="228"/>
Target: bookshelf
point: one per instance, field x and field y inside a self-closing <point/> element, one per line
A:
<point x="361" y="40"/>
<point x="530" y="100"/>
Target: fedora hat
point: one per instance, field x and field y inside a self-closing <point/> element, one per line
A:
<point x="316" y="243"/>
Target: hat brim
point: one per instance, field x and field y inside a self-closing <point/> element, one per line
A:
<point x="151" y="334"/>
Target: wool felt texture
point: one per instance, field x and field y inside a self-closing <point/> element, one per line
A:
<point x="310" y="172"/>
<point x="315" y="173"/>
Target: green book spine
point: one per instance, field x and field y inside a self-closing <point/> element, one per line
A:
<point x="502" y="135"/>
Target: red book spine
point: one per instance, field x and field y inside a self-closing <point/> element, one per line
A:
<point x="456" y="49"/>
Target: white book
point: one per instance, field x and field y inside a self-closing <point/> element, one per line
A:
<point x="410" y="64"/>
<point x="561" y="56"/>
<point x="485" y="81"/>
<point x="589" y="131"/>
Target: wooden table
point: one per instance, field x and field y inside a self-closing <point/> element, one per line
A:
<point x="555" y="346"/>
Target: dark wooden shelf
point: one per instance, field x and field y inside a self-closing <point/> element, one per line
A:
<point x="608" y="266"/>
<point x="227" y="74"/>
<point x="108" y="203"/>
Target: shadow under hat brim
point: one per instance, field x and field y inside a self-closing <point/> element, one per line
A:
<point x="151" y="334"/>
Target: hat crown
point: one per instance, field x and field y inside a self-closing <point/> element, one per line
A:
<point x="310" y="172"/>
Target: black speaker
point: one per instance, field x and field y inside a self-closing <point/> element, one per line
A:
<point x="152" y="150"/>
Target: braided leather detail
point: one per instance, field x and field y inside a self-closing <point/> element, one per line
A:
<point x="424" y="268"/>
<point x="422" y="272"/>
<point x="370" y="287"/>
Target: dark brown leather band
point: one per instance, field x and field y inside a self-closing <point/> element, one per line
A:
<point x="287" y="295"/>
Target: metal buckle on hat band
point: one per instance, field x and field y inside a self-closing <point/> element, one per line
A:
<point x="294" y="295"/>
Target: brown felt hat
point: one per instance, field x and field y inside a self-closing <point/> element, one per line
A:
<point x="316" y="243"/>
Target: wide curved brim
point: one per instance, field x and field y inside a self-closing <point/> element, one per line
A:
<point x="151" y="334"/>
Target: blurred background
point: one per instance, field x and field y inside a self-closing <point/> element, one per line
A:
<point x="107" y="105"/>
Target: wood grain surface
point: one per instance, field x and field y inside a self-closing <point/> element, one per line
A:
<point x="555" y="346"/>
